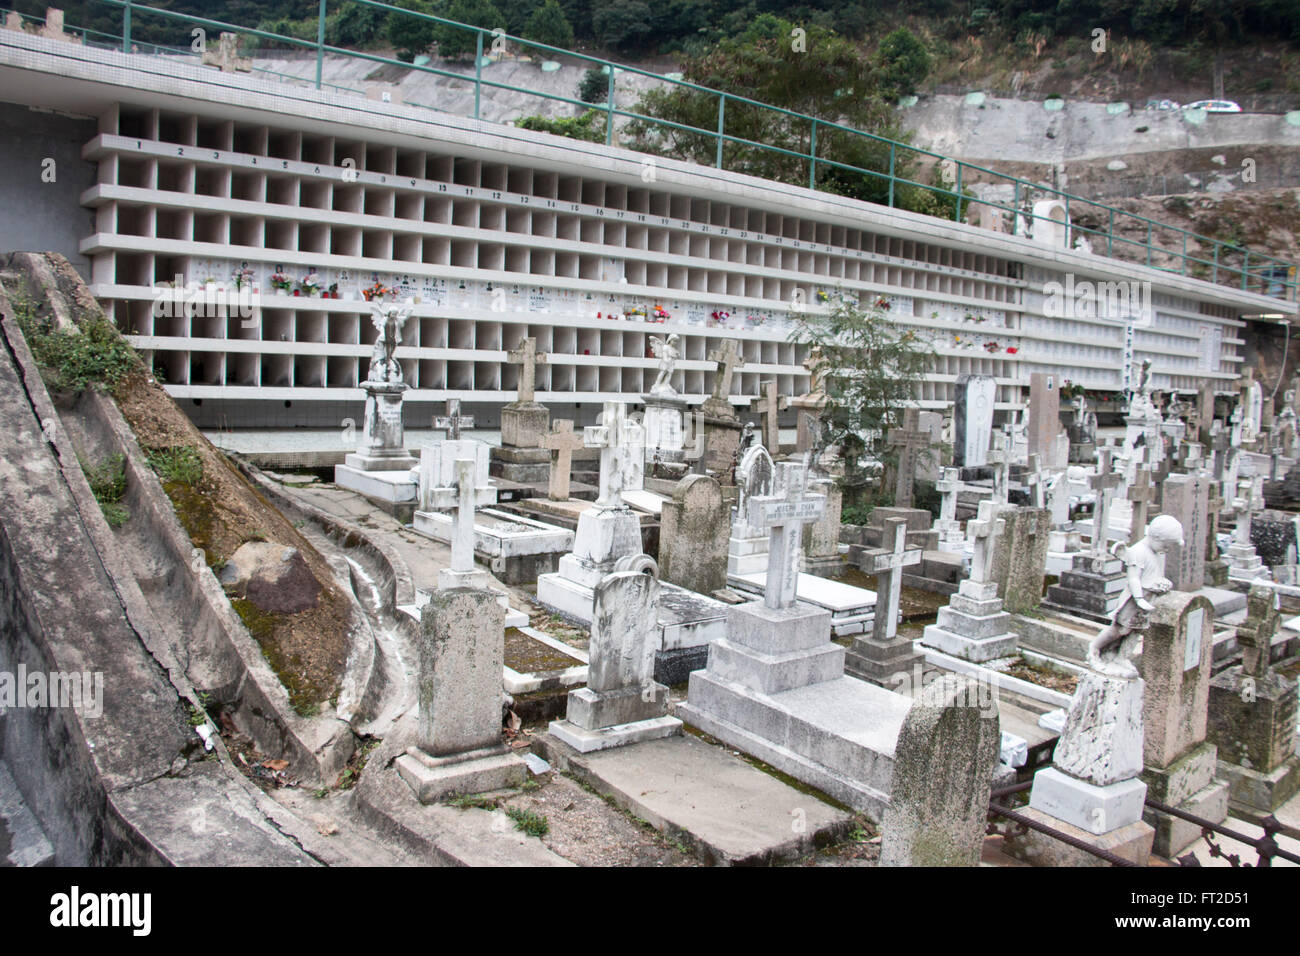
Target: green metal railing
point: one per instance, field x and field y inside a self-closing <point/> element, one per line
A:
<point x="1219" y="262"/>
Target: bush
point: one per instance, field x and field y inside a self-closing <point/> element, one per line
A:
<point x="92" y="355"/>
<point x="549" y="25"/>
<point x="107" y="482"/>
<point x="181" y="464"/>
<point x="410" y="35"/>
<point x="582" y="127"/>
<point x="457" y="41"/>
<point x="594" y="87"/>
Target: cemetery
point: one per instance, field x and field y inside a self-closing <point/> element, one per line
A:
<point x="572" y="594"/>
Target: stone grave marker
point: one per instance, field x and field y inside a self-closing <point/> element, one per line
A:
<point x="693" y="532"/>
<point x="561" y="443"/>
<point x="884" y="656"/>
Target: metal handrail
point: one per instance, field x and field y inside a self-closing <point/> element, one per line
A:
<point x="1267" y="272"/>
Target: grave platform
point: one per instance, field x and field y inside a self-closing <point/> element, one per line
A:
<point x="565" y="514"/>
<point x="538" y="662"/>
<point x="701" y="795"/>
<point x="517" y="549"/>
<point x="852" y="609"/>
<point x="396" y="492"/>
<point x="1087" y="592"/>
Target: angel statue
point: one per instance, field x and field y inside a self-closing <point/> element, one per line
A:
<point x="388" y="320"/>
<point x="667" y="352"/>
<point x="1112" y="650"/>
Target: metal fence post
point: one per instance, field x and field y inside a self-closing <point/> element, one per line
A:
<point x="1110" y="233"/>
<point x="478" y="71"/>
<point x="891" y="175"/>
<point x="1245" y="268"/>
<point x="812" y="157"/>
<point x="1015" y="209"/>
<point x="609" y="109"/>
<point x="1214" y="276"/>
<point x="957" y="216"/>
<point x="1148" y="243"/>
<point x="320" y="42"/>
<point x="722" y="119"/>
<point x="126" y="27"/>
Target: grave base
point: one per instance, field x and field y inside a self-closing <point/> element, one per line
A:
<point x="527" y="466"/>
<point x="586" y="741"/>
<point x="1252" y="794"/>
<point x="476" y="771"/>
<point x="393" y="492"/>
<point x="1132" y="842"/>
<point x="675" y="666"/>
<point x="1097" y="810"/>
<point x="1188" y="784"/>
<point x="398" y="461"/>
<point x="881" y="662"/>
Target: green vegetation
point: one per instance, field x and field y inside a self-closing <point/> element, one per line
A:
<point x="549" y="25"/>
<point x="108" y="484"/>
<point x="590" y="126"/>
<point x="181" y="464"/>
<point x="532" y="823"/>
<point x="870" y="369"/>
<point x="91" y="355"/>
<point x="594" y="87"/>
<point x="473" y="801"/>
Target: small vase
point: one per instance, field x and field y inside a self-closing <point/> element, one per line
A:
<point x="296" y="293"/>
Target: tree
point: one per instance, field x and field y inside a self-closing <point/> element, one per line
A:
<point x="457" y="41"/>
<point x="902" y="62"/>
<point x="549" y="25"/>
<point x="594" y="87"/>
<point x="410" y="35"/>
<point x="590" y="126"/>
<point x="874" y="368"/>
<point x="622" y="24"/>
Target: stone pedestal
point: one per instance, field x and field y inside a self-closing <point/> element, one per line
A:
<point x="1020" y="558"/>
<point x="973" y="626"/>
<point x="521" y="457"/>
<point x="721" y="444"/>
<point x="1177" y="653"/>
<point x="1244" y="564"/>
<point x="458" y="730"/>
<point x="1252" y="723"/>
<point x="1092" y="791"/>
<point x="1092" y="587"/>
<point x="663" y="421"/>
<point x="382" y="445"/>
<point x="886" y="663"/>
<point x="604" y="536"/>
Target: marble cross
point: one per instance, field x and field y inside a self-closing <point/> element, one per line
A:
<point x="910" y="440"/>
<point x="783" y="515"/>
<point x="612" y="438"/>
<point x="949" y="528"/>
<point x="1000" y="458"/>
<point x="526" y="356"/>
<point x="226" y="57"/>
<point x="464" y="497"/>
<point x="1142" y="493"/>
<point x="1034" y="481"/>
<point x="729" y="359"/>
<point x="769" y="404"/>
<point x="1104" y="483"/>
<point x="562" y="443"/>
<point x="453" y="421"/>
<point x="983" y="531"/>
<point x="887" y="565"/>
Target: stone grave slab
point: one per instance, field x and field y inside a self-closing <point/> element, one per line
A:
<point x="517" y="549"/>
<point x="852" y="608"/>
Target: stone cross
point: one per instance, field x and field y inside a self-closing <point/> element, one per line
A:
<point x="1104" y="483"/>
<point x="562" y="443"/>
<point x="1033" y="480"/>
<point x="464" y="497"/>
<point x="1219" y="445"/>
<point x="784" y="515"/>
<point x="999" y="458"/>
<point x="1142" y="493"/>
<point x="453" y="421"/>
<point x="729" y="359"/>
<point x="1215" y="509"/>
<point x="983" y="532"/>
<point x="1255" y="634"/>
<point x="226" y="57"/>
<point x="887" y="565"/>
<point x="609" y="437"/>
<point x="949" y="528"/>
<point x="526" y="356"/>
<point x="910" y="440"/>
<point x="769" y="405"/>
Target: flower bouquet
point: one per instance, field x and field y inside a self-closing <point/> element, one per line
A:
<point x="281" y="282"/>
<point x="310" y="284"/>
<point x="242" y="278"/>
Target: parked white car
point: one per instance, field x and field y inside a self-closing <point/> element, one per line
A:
<point x="1214" y="106"/>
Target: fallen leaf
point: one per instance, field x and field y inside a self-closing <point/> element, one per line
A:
<point x="327" y="829"/>
<point x="275" y="764"/>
